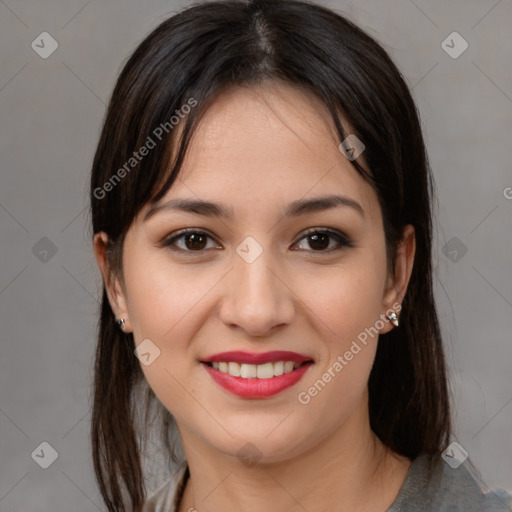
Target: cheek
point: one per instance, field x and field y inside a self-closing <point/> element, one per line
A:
<point x="164" y="296"/>
<point x="348" y="305"/>
<point x="162" y="309"/>
<point x="348" y="298"/>
<point x="169" y="304"/>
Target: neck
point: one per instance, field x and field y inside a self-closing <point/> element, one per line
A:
<point x="348" y="470"/>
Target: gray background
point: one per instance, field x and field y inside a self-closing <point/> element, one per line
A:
<point x="51" y="112"/>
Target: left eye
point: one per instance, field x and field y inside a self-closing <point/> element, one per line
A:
<point x="318" y="240"/>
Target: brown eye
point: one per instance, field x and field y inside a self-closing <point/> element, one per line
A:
<point x="192" y="241"/>
<point x="319" y="240"/>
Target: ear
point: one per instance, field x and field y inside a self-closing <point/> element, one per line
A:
<point x="396" y="286"/>
<point x="113" y="285"/>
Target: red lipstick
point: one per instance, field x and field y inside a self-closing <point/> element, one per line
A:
<point x="257" y="388"/>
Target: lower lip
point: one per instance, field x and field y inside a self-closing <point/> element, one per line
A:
<point x="257" y="388"/>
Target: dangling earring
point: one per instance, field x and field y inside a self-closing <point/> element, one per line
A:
<point x="393" y="318"/>
<point x="120" y="322"/>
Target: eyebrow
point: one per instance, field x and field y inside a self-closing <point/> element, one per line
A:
<point x="294" y="209"/>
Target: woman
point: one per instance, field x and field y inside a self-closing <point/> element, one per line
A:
<point x="261" y="208"/>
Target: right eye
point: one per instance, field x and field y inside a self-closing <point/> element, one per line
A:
<point x="193" y="241"/>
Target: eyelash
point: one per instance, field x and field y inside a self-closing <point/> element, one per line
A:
<point x="341" y="238"/>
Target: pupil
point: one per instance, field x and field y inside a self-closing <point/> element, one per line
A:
<point x="195" y="240"/>
<point x="314" y="239"/>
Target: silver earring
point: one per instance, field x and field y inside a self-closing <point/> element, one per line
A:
<point x="393" y="318"/>
<point x="120" y="323"/>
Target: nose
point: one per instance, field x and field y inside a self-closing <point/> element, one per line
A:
<point x="257" y="296"/>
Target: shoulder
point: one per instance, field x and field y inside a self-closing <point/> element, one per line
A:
<point x="165" y="498"/>
<point x="431" y="485"/>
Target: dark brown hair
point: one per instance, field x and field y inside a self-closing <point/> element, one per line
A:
<point x="197" y="54"/>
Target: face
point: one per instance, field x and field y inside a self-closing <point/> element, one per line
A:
<point x="292" y="289"/>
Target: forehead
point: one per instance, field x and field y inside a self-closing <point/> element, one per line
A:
<point x="265" y="146"/>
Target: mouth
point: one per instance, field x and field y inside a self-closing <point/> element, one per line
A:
<point x="257" y="376"/>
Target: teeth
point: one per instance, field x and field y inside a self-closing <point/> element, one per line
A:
<point x="278" y="368"/>
<point x="248" y="371"/>
<point x="233" y="369"/>
<point x="265" y="371"/>
<point x="260" y="371"/>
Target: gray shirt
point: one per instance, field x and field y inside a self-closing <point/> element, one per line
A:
<point x="430" y="485"/>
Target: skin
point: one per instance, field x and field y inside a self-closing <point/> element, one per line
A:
<point x="256" y="150"/>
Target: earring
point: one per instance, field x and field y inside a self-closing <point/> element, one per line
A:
<point x="393" y="318"/>
<point x="120" y="323"/>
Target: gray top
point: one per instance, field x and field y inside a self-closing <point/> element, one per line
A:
<point x="430" y="485"/>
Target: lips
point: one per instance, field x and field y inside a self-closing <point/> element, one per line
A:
<point x="251" y="375"/>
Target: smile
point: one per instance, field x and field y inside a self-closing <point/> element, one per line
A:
<point x="257" y="375"/>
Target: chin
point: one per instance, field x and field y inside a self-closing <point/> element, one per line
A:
<point x="271" y="443"/>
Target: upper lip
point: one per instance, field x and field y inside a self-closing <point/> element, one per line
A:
<point x="254" y="358"/>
